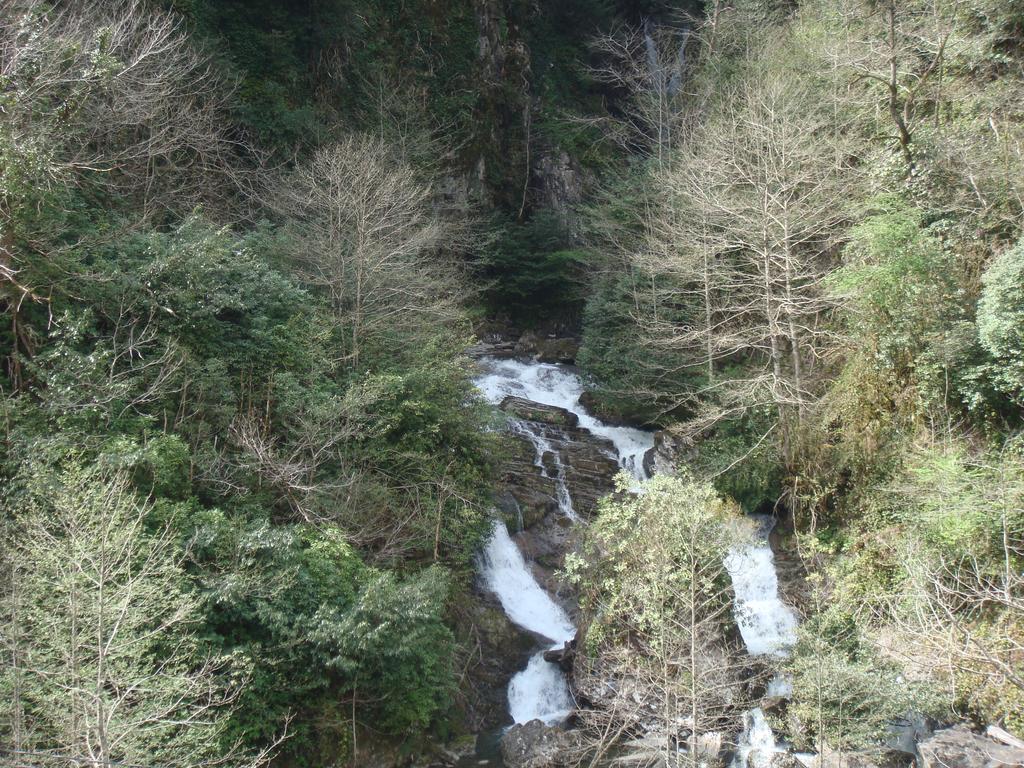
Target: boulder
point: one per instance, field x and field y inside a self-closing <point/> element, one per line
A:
<point x="558" y="350"/>
<point x="666" y="454"/>
<point x="959" y="746"/>
<point x="536" y="745"/>
<point x="504" y="649"/>
<point x="548" y="349"/>
<point x="563" y="656"/>
<point x="546" y="414"/>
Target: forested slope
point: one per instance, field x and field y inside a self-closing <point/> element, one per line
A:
<point x="245" y="246"/>
<point x="242" y="465"/>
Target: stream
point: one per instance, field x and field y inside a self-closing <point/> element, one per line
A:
<point x="540" y="690"/>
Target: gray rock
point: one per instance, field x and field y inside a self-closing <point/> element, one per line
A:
<point x="504" y="650"/>
<point x="667" y="452"/>
<point x="960" y="747"/>
<point x="546" y="414"/>
<point x="588" y="465"/>
<point x="547" y="348"/>
<point x="535" y="745"/>
<point x="563" y="656"/>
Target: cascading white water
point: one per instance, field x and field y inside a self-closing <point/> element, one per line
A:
<point x="768" y="628"/>
<point x="506" y="574"/>
<point x="559" y="386"/>
<point x="757" y="744"/>
<point x="540" y="691"/>
<point x="542" y="446"/>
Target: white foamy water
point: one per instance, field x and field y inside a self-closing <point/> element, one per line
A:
<point x="558" y="386"/>
<point x="757" y="744"/>
<point x="540" y="691"/>
<point x="768" y="628"/>
<point x="768" y="625"/>
<point x="506" y="574"/>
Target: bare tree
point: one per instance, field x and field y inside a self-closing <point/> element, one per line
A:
<point x="756" y="198"/>
<point x="899" y="50"/>
<point x="110" y="667"/>
<point x="372" y="241"/>
<point x="116" y="92"/>
<point x="109" y="94"/>
<point x="647" y="68"/>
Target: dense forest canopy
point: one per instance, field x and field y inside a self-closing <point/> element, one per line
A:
<point x="245" y="247"/>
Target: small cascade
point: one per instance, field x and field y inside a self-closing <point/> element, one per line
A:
<point x="544" y="447"/>
<point x="757" y="744"/>
<point x="506" y="574"/>
<point x="539" y="692"/>
<point x="559" y="386"/>
<point x="768" y="627"/>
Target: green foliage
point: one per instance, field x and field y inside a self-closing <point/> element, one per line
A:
<point x="101" y="608"/>
<point x="645" y="552"/>
<point x="907" y="305"/>
<point x="633" y="381"/>
<point x="843" y="694"/>
<point x="310" y="516"/>
<point x="534" y="271"/>
<point x="742" y="457"/>
<point x="1001" y="322"/>
<point x="339" y="629"/>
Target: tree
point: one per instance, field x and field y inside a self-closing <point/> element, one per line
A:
<point x="371" y="240"/>
<point x="756" y="199"/>
<point x="647" y="68"/>
<point x="107" y="96"/>
<point x="106" y="660"/>
<point x="845" y="695"/>
<point x="897" y="52"/>
<point x="656" y="593"/>
<point x="1001" y="320"/>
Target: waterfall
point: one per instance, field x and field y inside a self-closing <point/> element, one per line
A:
<point x="757" y="743"/>
<point x="540" y="691"/>
<point x="767" y="625"/>
<point x="559" y="386"/>
<point x="506" y="574"/>
<point x="542" y="447"/>
<point x="768" y="628"/>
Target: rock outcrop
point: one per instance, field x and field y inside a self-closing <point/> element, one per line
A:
<point x="535" y="745"/>
<point x="959" y="746"/>
<point x="503" y="650"/>
<point x="668" y="451"/>
<point x="568" y="454"/>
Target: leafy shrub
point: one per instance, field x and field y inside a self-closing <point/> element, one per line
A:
<point x="1001" y="321"/>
